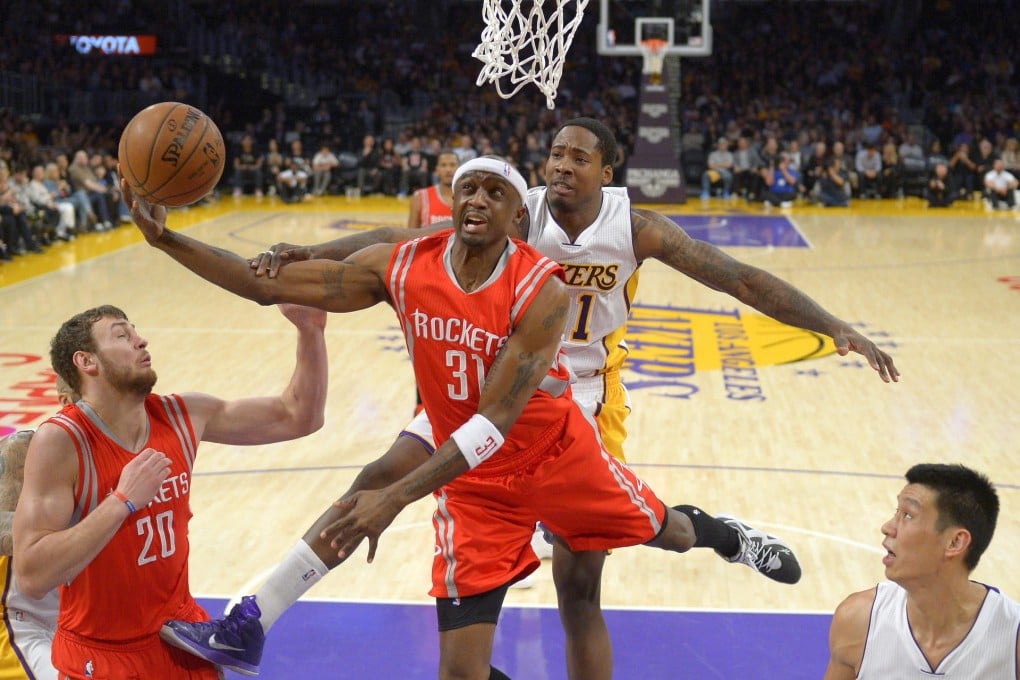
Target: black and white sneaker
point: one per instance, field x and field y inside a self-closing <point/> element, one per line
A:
<point x="763" y="552"/>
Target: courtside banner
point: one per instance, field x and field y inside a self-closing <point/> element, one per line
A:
<point x="109" y="44"/>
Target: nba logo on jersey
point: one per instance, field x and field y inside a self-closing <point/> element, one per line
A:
<point x="89" y="669"/>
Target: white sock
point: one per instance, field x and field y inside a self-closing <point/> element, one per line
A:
<point x="299" y="570"/>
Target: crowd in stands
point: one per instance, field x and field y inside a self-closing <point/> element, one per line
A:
<point x="819" y="102"/>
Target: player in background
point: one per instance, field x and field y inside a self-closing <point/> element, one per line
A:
<point x="26" y="639"/>
<point x="105" y="506"/>
<point x="431" y="205"/>
<point x="930" y="619"/>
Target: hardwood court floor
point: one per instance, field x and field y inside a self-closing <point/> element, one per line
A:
<point x="732" y="412"/>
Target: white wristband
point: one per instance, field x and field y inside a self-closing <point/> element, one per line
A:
<point x="477" y="439"/>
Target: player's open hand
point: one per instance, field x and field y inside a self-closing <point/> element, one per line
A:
<point x="848" y="340"/>
<point x="149" y="217"/>
<point x="365" y="514"/>
<point x="268" y="262"/>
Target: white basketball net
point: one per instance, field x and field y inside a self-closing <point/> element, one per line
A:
<point x="526" y="42"/>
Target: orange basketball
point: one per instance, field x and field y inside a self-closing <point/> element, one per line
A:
<point x="171" y="154"/>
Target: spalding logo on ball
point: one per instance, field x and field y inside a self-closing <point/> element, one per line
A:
<point x="171" y="154"/>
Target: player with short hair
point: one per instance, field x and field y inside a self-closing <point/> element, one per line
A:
<point x="930" y="619"/>
<point x="431" y="205"/>
<point x="105" y="506"/>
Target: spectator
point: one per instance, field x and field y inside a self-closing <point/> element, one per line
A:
<point x="62" y="192"/>
<point x="369" y="177"/>
<point x="534" y="161"/>
<point x="1011" y="156"/>
<point x="323" y="164"/>
<point x="292" y="182"/>
<point x="984" y="159"/>
<point x="59" y="217"/>
<point x="868" y="164"/>
<point x="781" y="182"/>
<point x="37" y="226"/>
<point x="40" y="188"/>
<point x="744" y="168"/>
<point x="962" y="168"/>
<point x="832" y="184"/>
<point x="273" y="163"/>
<point x="719" y="170"/>
<point x="247" y="168"/>
<point x="414" y="168"/>
<point x="17" y="237"/>
<point x="936" y="155"/>
<point x="940" y="192"/>
<point x="891" y="184"/>
<point x="815" y="168"/>
<point x="912" y="156"/>
<point x="839" y="150"/>
<point x="1000" y="186"/>
<point x="465" y="149"/>
<point x="389" y="168"/>
<point x="83" y="178"/>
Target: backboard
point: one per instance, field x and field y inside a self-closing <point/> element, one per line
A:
<point x="684" y="25"/>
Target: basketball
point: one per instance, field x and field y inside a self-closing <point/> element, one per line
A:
<point x="171" y="154"/>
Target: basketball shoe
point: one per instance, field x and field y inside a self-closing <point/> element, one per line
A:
<point x="763" y="552"/>
<point x="234" y="642"/>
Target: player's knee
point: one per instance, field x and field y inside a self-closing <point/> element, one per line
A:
<point x="578" y="578"/>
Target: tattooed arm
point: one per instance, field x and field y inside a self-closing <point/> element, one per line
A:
<point x="13" y="448"/>
<point x="657" y="237"/>
<point x="333" y="286"/>
<point x="510" y="382"/>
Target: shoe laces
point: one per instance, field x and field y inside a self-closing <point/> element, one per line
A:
<point x="762" y="557"/>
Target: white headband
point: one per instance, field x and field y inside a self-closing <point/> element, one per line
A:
<point x="496" y="167"/>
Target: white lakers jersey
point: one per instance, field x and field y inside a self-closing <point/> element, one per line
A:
<point x="601" y="273"/>
<point x="988" y="652"/>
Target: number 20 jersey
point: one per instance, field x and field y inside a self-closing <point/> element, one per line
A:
<point x="601" y="273"/>
<point x="139" y="579"/>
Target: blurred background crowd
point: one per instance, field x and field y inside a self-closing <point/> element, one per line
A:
<point x="854" y="99"/>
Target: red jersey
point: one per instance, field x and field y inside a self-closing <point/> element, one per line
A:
<point x="139" y="579"/>
<point x="454" y="336"/>
<point x="431" y="207"/>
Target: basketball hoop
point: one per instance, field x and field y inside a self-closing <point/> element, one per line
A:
<point x="521" y="45"/>
<point x="653" y="52"/>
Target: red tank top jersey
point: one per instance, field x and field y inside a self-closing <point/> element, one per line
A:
<point x="139" y="579"/>
<point x="453" y="336"/>
<point x="432" y="207"/>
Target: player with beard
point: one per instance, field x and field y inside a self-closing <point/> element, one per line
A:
<point x="105" y="506"/>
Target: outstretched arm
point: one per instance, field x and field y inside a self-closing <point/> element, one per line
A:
<point x="268" y="262"/>
<point x="657" y="237"/>
<point x="510" y="382"/>
<point x="296" y="412"/>
<point x="332" y="286"/>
